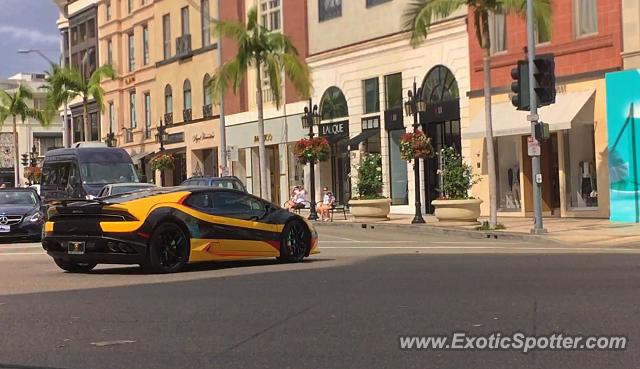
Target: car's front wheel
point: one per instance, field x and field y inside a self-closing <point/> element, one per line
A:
<point x="73" y="267"/>
<point x="168" y="249"/>
<point x="295" y="242"/>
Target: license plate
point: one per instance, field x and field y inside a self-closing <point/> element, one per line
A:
<point x="5" y="228"/>
<point x="75" y="247"/>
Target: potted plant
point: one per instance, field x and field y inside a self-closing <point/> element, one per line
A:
<point x="370" y="204"/>
<point x="455" y="205"/>
<point x="162" y="161"/>
<point x="33" y="174"/>
<point x="312" y="150"/>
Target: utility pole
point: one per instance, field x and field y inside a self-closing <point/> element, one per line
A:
<point x="223" y="136"/>
<point x="533" y="118"/>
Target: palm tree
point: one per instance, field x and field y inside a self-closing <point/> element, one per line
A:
<point x="87" y="88"/>
<point x="420" y="14"/>
<point x="262" y="49"/>
<point x="15" y="104"/>
<point x="57" y="92"/>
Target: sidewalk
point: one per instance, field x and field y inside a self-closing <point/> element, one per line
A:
<point x="566" y="231"/>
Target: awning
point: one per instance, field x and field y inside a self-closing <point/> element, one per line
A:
<point x="333" y="139"/>
<point x="507" y="121"/>
<point x="139" y="156"/>
<point x="363" y="136"/>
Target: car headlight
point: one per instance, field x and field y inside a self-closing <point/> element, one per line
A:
<point x="33" y="217"/>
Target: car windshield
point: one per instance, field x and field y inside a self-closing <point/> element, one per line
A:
<point x="103" y="173"/>
<point x="17" y="198"/>
<point x="227" y="183"/>
<point x="116" y="190"/>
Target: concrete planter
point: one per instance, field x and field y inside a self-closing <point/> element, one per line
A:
<point x="457" y="211"/>
<point x="377" y="209"/>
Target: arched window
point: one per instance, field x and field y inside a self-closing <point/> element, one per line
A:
<point x="439" y="85"/>
<point x="168" y="100"/>
<point x="206" y="90"/>
<point x="186" y="94"/>
<point x="333" y="104"/>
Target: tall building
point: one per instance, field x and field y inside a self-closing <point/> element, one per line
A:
<point x="586" y="41"/>
<point x="78" y="24"/>
<point x="31" y="134"/>
<point x="362" y="72"/>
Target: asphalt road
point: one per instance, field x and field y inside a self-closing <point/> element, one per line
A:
<point x="343" y="308"/>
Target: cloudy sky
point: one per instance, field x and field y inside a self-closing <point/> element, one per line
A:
<point x="27" y="24"/>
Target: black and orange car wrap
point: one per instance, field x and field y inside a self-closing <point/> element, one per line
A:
<point x="118" y="229"/>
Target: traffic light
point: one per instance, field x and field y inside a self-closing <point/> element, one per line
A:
<point x="25" y="160"/>
<point x="545" y="79"/>
<point x="520" y="85"/>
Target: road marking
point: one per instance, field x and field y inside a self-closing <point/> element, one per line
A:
<point x="356" y="241"/>
<point x="634" y="250"/>
<point x="467" y="242"/>
<point x="340" y="238"/>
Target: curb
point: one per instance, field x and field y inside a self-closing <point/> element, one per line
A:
<point x="428" y="229"/>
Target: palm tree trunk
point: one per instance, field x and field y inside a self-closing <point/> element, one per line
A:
<point x="262" y="149"/>
<point x="491" y="162"/>
<point x="85" y="113"/>
<point x="17" y="153"/>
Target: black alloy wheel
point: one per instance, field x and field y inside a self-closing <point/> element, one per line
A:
<point x="73" y="267"/>
<point x="168" y="249"/>
<point x="295" y="242"/>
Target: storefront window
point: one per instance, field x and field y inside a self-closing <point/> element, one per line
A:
<point x="580" y="166"/>
<point x="509" y="196"/>
<point x="296" y="170"/>
<point x="397" y="170"/>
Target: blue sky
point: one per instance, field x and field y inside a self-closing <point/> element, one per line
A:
<point x="27" y="24"/>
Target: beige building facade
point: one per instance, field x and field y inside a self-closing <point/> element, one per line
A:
<point x="631" y="33"/>
<point x="361" y="79"/>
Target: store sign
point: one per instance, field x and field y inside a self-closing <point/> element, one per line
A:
<point x="331" y="129"/>
<point x="268" y="137"/>
<point x="232" y="153"/>
<point x="203" y="136"/>
<point x="441" y="112"/>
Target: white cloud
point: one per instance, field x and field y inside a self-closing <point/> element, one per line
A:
<point x="30" y="35"/>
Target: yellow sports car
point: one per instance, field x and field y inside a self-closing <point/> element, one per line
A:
<point x="164" y="229"/>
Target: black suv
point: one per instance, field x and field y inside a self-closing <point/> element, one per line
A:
<point x="210" y="181"/>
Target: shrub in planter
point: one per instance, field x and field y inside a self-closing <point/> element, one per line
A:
<point x="312" y="150"/>
<point x="369" y="183"/>
<point x="33" y="174"/>
<point x="457" y="176"/>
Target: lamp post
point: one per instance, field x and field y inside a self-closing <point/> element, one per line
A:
<point x="414" y="106"/>
<point x="310" y="118"/>
<point x="161" y="138"/>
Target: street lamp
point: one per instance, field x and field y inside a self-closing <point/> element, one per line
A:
<point x="414" y="106"/>
<point x="309" y="118"/>
<point x="29" y="51"/>
<point x="161" y="137"/>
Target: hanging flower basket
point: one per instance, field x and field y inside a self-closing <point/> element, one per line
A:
<point x="315" y="149"/>
<point x="33" y="174"/>
<point x="162" y="162"/>
<point x="415" y="145"/>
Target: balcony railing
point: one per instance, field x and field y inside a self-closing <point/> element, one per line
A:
<point x="207" y="111"/>
<point x="267" y="95"/>
<point x="168" y="118"/>
<point x="186" y="115"/>
<point x="183" y="46"/>
<point x="128" y="135"/>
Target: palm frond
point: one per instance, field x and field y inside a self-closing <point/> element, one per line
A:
<point x="103" y="72"/>
<point x="230" y="29"/>
<point x="420" y="14"/>
<point x="273" y="66"/>
<point x="298" y="73"/>
<point x="279" y="41"/>
<point x="252" y="20"/>
<point x="97" y="93"/>
<point x="230" y="73"/>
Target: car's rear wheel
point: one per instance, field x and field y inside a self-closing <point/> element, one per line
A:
<point x="73" y="267"/>
<point x="295" y="242"/>
<point x="168" y="249"/>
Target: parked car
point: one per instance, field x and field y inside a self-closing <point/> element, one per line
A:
<point x="120" y="188"/>
<point x="20" y="214"/>
<point x="219" y="182"/>
<point x="81" y="172"/>
<point x="165" y="229"/>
